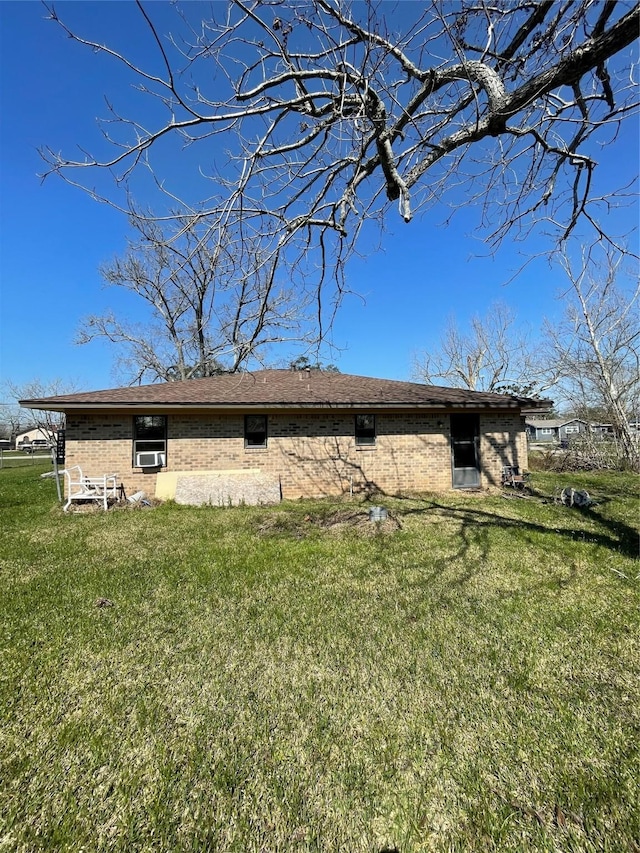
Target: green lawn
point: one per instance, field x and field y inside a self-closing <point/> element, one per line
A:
<point x="464" y="676"/>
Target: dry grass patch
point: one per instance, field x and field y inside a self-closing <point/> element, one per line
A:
<point x="353" y="518"/>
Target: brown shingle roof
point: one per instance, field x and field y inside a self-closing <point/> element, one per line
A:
<point x="283" y="388"/>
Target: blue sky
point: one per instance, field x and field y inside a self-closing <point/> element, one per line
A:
<point x="53" y="236"/>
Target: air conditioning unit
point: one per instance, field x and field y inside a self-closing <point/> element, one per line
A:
<point x="150" y="459"/>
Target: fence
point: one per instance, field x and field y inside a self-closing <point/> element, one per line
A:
<point x="19" y="459"/>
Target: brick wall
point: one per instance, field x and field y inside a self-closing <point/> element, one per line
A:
<point x="313" y="453"/>
<point x="503" y="441"/>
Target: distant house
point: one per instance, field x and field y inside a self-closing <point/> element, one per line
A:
<point x="603" y="430"/>
<point x="316" y="433"/>
<point x="38" y="435"/>
<point x="555" y="431"/>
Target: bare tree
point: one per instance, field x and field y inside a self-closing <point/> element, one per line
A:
<point x="212" y="302"/>
<point x="47" y="422"/>
<point x="327" y="115"/>
<point x="495" y="355"/>
<point x="12" y="420"/>
<point x="596" y="346"/>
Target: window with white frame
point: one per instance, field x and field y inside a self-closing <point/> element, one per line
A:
<point x="572" y="429"/>
<point x="546" y="431"/>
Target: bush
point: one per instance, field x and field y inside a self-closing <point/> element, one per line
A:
<point x="585" y="453"/>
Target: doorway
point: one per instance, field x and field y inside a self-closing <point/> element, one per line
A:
<point x="465" y="451"/>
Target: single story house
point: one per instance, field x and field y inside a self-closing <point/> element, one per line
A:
<point x="603" y="430"/>
<point x="556" y="431"/>
<point x="318" y="433"/>
<point x="37" y="434"/>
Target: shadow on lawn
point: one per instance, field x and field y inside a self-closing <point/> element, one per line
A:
<point x="614" y="535"/>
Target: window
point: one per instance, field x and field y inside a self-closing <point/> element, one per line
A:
<point x="255" y="431"/>
<point x="150" y="436"/>
<point x="365" y="430"/>
<point x="546" y="431"/>
<point x="572" y="429"/>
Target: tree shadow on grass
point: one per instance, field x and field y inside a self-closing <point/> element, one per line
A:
<point x="617" y="536"/>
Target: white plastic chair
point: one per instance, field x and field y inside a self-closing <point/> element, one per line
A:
<point x="83" y="488"/>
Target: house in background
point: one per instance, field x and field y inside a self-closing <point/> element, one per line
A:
<point x="315" y="433"/>
<point x="555" y="431"/>
<point x="601" y="430"/>
<point x="38" y="435"/>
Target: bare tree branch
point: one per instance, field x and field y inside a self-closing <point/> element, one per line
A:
<point x="596" y="346"/>
<point x="47" y="422"/>
<point x="495" y="355"/>
<point x="328" y="115"/>
<point x="213" y="302"/>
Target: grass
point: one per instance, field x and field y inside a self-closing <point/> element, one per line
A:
<point x="462" y="677"/>
<point x="17" y="459"/>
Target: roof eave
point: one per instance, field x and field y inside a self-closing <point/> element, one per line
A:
<point x="363" y="404"/>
